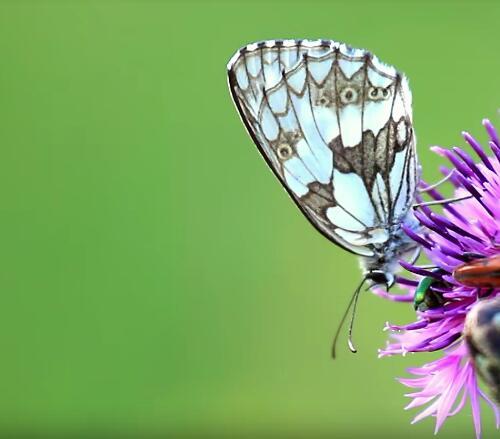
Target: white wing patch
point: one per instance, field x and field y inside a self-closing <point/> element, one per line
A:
<point x="350" y="125"/>
<point x="344" y="220"/>
<point x="350" y="192"/>
<point x="277" y="98"/>
<point x="299" y="171"/>
<point x="316" y="146"/>
<point x="295" y="185"/>
<point x="376" y="115"/>
<point x="296" y="80"/>
<point x="327" y="123"/>
<point x="320" y="68"/>
<point x="269" y="124"/>
<point x="335" y="125"/>
<point x="349" y="68"/>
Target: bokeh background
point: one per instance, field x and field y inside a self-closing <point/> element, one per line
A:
<point x="155" y="279"/>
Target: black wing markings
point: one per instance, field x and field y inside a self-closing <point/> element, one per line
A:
<point x="253" y="126"/>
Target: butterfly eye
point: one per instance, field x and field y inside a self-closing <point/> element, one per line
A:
<point x="385" y="92"/>
<point x="378" y="277"/>
<point x="348" y="95"/>
<point x="284" y="151"/>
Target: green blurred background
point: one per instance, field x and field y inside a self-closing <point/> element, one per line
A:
<point x="155" y="279"/>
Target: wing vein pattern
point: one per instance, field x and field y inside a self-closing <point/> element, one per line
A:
<point x="335" y="125"/>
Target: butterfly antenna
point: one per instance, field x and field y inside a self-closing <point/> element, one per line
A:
<point x="352" y="303"/>
<point x="353" y="316"/>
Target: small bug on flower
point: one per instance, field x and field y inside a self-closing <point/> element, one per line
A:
<point x="481" y="273"/>
<point x="425" y="297"/>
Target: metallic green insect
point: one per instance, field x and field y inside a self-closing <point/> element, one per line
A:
<point x="426" y="298"/>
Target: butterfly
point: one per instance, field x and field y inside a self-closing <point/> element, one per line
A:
<point x="335" y="125"/>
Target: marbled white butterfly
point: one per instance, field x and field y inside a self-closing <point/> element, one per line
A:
<point x="335" y="125"/>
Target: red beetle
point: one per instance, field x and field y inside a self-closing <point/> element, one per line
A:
<point x="483" y="272"/>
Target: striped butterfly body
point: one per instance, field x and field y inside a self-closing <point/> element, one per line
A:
<point x="335" y="126"/>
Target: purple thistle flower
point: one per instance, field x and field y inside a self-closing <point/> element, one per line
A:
<point x="469" y="228"/>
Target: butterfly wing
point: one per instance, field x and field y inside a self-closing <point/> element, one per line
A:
<point x="335" y="125"/>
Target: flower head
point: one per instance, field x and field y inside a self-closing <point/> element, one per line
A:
<point x="468" y="229"/>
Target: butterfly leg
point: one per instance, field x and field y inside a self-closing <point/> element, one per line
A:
<point x="441" y="202"/>
<point x="415" y="257"/>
